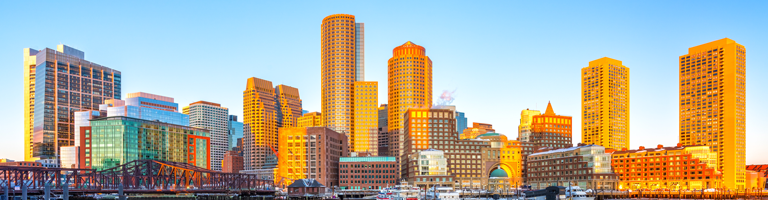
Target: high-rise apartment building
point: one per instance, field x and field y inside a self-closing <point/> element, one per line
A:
<point x="56" y="84"/>
<point x="260" y="116"/>
<point x="713" y="104"/>
<point x="214" y="118"/>
<point x="343" y="63"/>
<point x="524" y="129"/>
<point x="605" y="103"/>
<point x="312" y="119"/>
<point x="410" y="86"/>
<point x="365" y="137"/>
<point x="289" y="106"/>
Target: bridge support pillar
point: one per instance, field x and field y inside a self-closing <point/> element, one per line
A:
<point x="65" y="191"/>
<point x="23" y="190"/>
<point x="120" y="192"/>
<point x="6" y="194"/>
<point x="47" y="192"/>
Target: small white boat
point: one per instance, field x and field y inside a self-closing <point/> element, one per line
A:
<point x="442" y="193"/>
<point x="576" y="193"/>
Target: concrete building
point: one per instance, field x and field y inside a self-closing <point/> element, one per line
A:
<point x="57" y="83"/>
<point x="427" y="168"/>
<point x="524" y="129"/>
<point x="476" y="129"/>
<point x="586" y="166"/>
<point x="312" y="119"/>
<point x="121" y="139"/>
<point x="214" y="118"/>
<point x="713" y="88"/>
<point x="367" y="172"/>
<point x="676" y="168"/>
<point x="70" y="156"/>
<point x="605" y="103"/>
<point x="311" y="152"/>
<point x="364" y="138"/>
<point x="232" y="162"/>
<point x="341" y="70"/>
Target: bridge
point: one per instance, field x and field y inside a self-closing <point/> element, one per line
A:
<point x="138" y="176"/>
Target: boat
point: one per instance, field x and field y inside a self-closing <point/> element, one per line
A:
<point x="576" y="193"/>
<point x="399" y="192"/>
<point x="443" y="193"/>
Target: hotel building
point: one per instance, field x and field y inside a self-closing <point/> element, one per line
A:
<point x="676" y="168"/>
<point x="215" y="118"/>
<point x="713" y="105"/>
<point x="605" y="103"/>
<point x="367" y="172"/>
<point x="56" y="84"/>
<point x="586" y="166"/>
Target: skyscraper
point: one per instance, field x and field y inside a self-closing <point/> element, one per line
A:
<point x="235" y="131"/>
<point x="410" y="86"/>
<point x="342" y="61"/>
<point x="461" y="121"/>
<point x="713" y="104"/>
<point x="214" y="118"/>
<point x="605" y="103"/>
<point x="383" y="133"/>
<point x="289" y="106"/>
<point x="56" y="84"/>
<point x="524" y="129"/>
<point x="260" y="116"/>
<point x="365" y="136"/>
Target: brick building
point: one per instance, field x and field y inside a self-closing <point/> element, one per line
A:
<point x="678" y="167"/>
<point x="367" y="172"/>
<point x="586" y="166"/>
<point x="232" y="162"/>
<point x="311" y="152"/>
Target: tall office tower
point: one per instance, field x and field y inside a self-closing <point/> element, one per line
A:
<point x="713" y="104"/>
<point x="605" y="103"/>
<point x="524" y="129"/>
<point x="342" y="64"/>
<point x="383" y="131"/>
<point x="365" y="138"/>
<point x="235" y="131"/>
<point x="289" y="106"/>
<point x="56" y="84"/>
<point x="461" y="121"/>
<point x="260" y="114"/>
<point x="551" y="130"/>
<point x="312" y="119"/>
<point x="214" y="118"/>
<point x="410" y="86"/>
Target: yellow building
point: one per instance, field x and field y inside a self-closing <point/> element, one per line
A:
<point x="605" y="103"/>
<point x="310" y="152"/>
<point x="260" y="114"/>
<point x="524" y="129"/>
<point x="290" y="105"/>
<point x="410" y="86"/>
<point x="313" y="119"/>
<point x="512" y="162"/>
<point x="365" y="138"/>
<point x="342" y="61"/>
<point x="713" y="104"/>
<point x="678" y="168"/>
<point x="476" y="129"/>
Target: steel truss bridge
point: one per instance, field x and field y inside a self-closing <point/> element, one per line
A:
<point x="139" y="176"/>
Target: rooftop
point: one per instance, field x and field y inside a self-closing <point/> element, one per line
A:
<point x="367" y="159"/>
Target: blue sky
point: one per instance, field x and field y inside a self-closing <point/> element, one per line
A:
<point x="500" y="57"/>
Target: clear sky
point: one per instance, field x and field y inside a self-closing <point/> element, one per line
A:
<point x="500" y="57"/>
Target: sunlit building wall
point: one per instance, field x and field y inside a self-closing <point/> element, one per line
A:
<point x="365" y="136"/>
<point x="289" y="106"/>
<point x="311" y="152"/>
<point x="605" y="103"/>
<point x="676" y="168"/>
<point x="312" y="119"/>
<point x="260" y="116"/>
<point x="342" y="61"/>
<point x="215" y="118"/>
<point x="524" y="129"/>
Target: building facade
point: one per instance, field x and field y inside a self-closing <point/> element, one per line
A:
<point x="461" y="121"/>
<point x="383" y="132"/>
<point x="343" y="63"/>
<point x="524" y="129"/>
<point x="289" y="106"/>
<point x="551" y="130"/>
<point x="713" y="104"/>
<point x="605" y="103"/>
<point x="232" y="162"/>
<point x="365" y="136"/>
<point x="146" y="106"/>
<point x="58" y="83"/>
<point x="260" y="116"/>
<point x="311" y="152"/>
<point x="311" y="119"/>
<point x="235" y="130"/>
<point x="113" y="141"/>
<point x="70" y="156"/>
<point x="214" y="118"/>
<point x="676" y="168"/>
<point x="427" y="168"/>
<point x="410" y="86"/>
<point x="586" y="166"/>
<point x="476" y="129"/>
<point x="367" y="172"/>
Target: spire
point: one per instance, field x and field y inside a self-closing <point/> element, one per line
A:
<point x="549" y="109"/>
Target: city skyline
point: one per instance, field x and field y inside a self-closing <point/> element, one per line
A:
<point x="650" y="70"/>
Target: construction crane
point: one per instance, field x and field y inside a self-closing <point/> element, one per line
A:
<point x="283" y="163"/>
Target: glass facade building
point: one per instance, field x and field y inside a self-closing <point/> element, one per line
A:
<point x="235" y="130"/>
<point x="116" y="140"/>
<point x="461" y="121"/>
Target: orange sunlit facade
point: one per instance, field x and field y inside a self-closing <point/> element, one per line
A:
<point x="310" y="152"/>
<point x="524" y="129"/>
<point x="290" y="106"/>
<point x="410" y="86"/>
<point x="551" y="130"/>
<point x="342" y="61"/>
<point x="260" y="114"/>
<point x="476" y="129"/>
<point x="512" y="161"/>
<point x="677" y="168"/>
<point x="365" y="138"/>
<point x="713" y="105"/>
<point x="605" y="103"/>
<point x="313" y="119"/>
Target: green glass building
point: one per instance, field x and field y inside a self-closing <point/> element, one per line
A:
<point x="113" y="141"/>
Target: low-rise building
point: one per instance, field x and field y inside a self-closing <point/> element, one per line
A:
<point x="367" y="172"/>
<point x="310" y="152"/>
<point x="586" y="166"/>
<point x="232" y="162"/>
<point x="428" y="168"/>
<point x="677" y="167"/>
